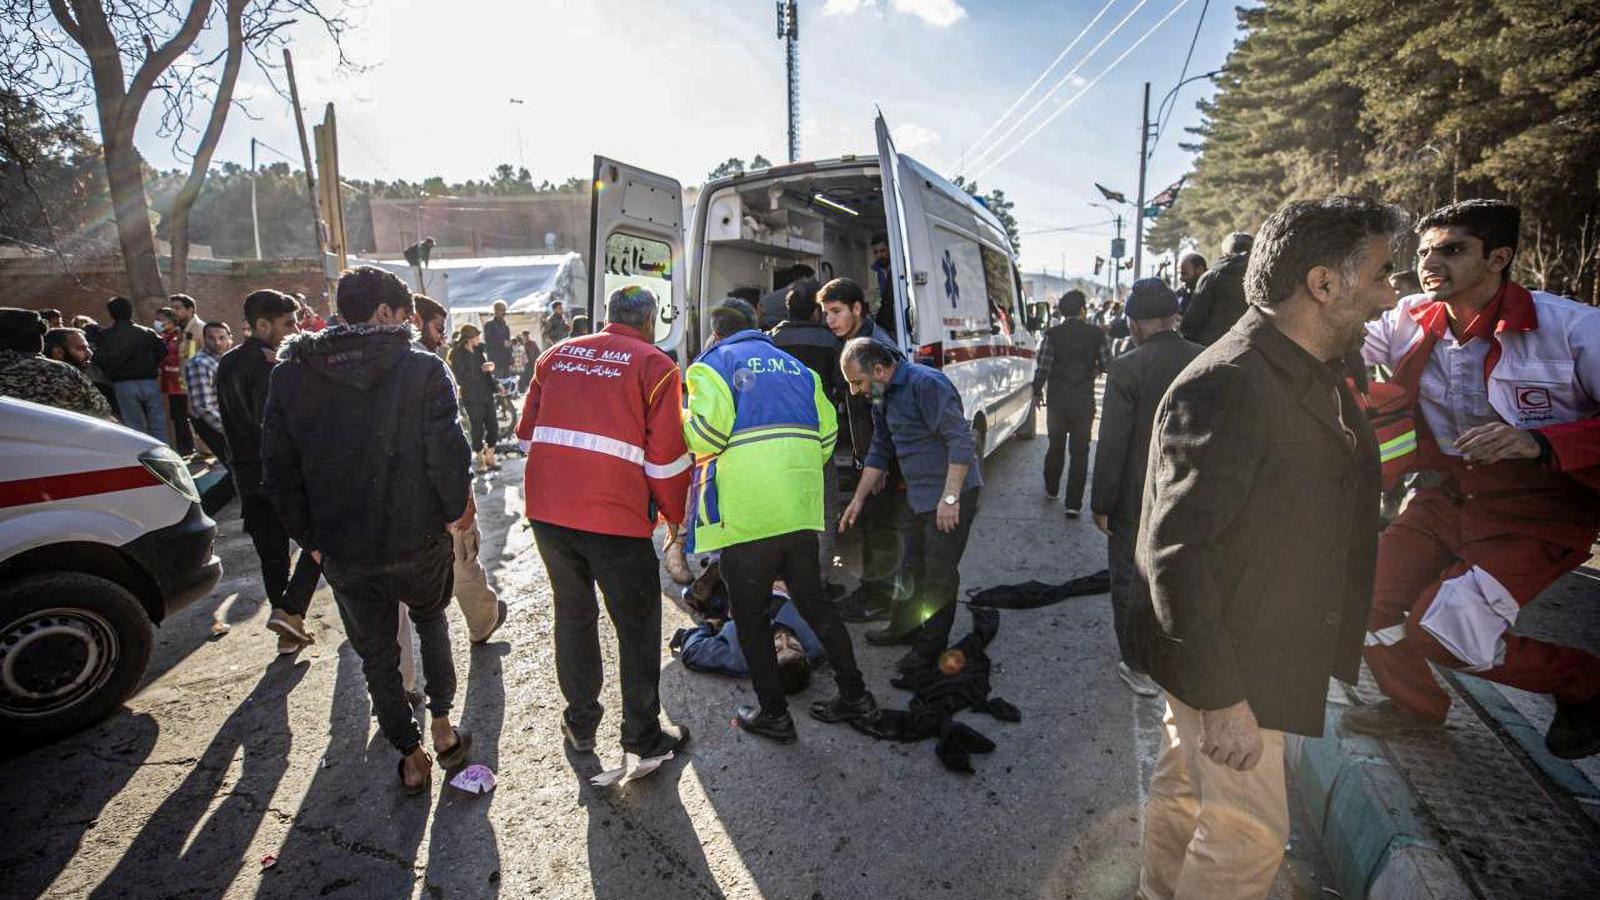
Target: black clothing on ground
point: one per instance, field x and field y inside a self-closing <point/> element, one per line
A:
<point x="813" y="344"/>
<point x="243" y="375"/>
<point x="749" y="569"/>
<point x="476" y="385"/>
<point x="220" y="494"/>
<point x="362" y="451"/>
<point x="368" y="595"/>
<point x="290" y="593"/>
<point x="497" y="345"/>
<point x="1258" y="536"/>
<point x="129" y="352"/>
<point x="933" y="561"/>
<point x="1135" y="384"/>
<point x="1069" y="426"/>
<point x="1035" y="594"/>
<point x="1217" y="302"/>
<point x="626" y="570"/>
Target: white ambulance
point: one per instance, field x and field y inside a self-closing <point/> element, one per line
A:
<point x="101" y="537"/>
<point x="957" y="292"/>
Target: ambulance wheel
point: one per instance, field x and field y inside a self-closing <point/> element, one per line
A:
<point x="1029" y="429"/>
<point x="72" y="648"/>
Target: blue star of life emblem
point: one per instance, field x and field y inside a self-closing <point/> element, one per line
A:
<point x="951" y="289"/>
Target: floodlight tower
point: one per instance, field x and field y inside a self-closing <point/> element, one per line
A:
<point x="789" y="33"/>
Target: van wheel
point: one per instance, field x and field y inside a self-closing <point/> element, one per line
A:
<point x="1029" y="429"/>
<point x="72" y="648"/>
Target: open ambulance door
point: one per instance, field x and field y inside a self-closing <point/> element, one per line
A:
<point x="636" y="237"/>
<point x="894" y="209"/>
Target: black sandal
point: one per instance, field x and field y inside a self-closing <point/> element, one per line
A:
<point x="457" y="754"/>
<point x="414" y="790"/>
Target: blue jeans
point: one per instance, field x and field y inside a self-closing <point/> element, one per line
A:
<point x="142" y="407"/>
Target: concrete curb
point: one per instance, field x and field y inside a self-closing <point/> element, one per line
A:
<point x="1372" y="830"/>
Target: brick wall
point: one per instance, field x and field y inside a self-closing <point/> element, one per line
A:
<point x="218" y="286"/>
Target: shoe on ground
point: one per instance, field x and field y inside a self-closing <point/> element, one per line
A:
<point x="672" y="739"/>
<point x="914" y="663"/>
<point x="856" y="608"/>
<point x="1575" y="732"/>
<point x="888" y="636"/>
<point x="288" y="624"/>
<point x="1138" y="682"/>
<point x="1073" y="512"/>
<point x="841" y="710"/>
<point x="1383" y="719"/>
<point x="1052" y="495"/>
<point x="834" y="590"/>
<point x="288" y="646"/>
<point x="582" y="743"/>
<point x="772" y="726"/>
<point x="501" y="610"/>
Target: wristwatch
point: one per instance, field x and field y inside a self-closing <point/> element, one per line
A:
<point x="950" y="499"/>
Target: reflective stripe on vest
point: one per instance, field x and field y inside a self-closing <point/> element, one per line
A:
<point x="599" y="443"/>
<point x="1397" y="446"/>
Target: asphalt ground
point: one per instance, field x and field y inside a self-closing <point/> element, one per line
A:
<point x="229" y="754"/>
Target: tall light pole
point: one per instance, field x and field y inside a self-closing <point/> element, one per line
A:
<point x="1148" y="130"/>
<point x="1114" y="279"/>
<point x="789" y="33"/>
<point x="255" y="219"/>
<point x="521" y="160"/>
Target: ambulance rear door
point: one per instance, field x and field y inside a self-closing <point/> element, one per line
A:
<point x="636" y="237"/>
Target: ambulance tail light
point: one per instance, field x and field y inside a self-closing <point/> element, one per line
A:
<point x="930" y="355"/>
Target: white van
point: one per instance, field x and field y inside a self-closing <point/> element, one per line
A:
<point x="957" y="293"/>
<point x="101" y="537"/>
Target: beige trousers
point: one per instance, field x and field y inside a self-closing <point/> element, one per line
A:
<point x="1211" y="833"/>
<point x="479" y="604"/>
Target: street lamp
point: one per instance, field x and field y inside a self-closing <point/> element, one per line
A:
<point x="1115" y="280"/>
<point x="1146" y="150"/>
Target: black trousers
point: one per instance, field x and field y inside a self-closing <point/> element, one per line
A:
<point x="933" y="561"/>
<point x="290" y="593"/>
<point x="485" y="429"/>
<point x="626" y="571"/>
<point x="1119" y="556"/>
<point x="749" y="569"/>
<point x="1069" y="420"/>
<point x="222" y="493"/>
<point x="882" y="556"/>
<point x="369" y="595"/>
<point x="178" y="415"/>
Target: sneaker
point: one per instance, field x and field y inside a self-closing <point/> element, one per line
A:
<point x="856" y="608"/>
<point x="1575" y="732"/>
<point x="672" y="739"/>
<point x="579" y="743"/>
<point x="772" y="726"/>
<point x="1383" y="719"/>
<point x="841" y="710"/>
<point x="1073" y="512"/>
<point x="1052" y="495"/>
<point x="289" y="625"/>
<point x="888" y="636"/>
<point x="1137" y="681"/>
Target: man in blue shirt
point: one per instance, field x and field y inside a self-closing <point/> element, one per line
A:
<point x="713" y="645"/>
<point x="918" y="421"/>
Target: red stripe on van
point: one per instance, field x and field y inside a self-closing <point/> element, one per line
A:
<point x="954" y="355"/>
<point x="74" y="484"/>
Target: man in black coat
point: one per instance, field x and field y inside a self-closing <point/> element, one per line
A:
<point x="130" y="356"/>
<point x="243" y="375"/>
<point x="1071" y="356"/>
<point x="1257" y="546"/>
<point x="497" y="341"/>
<point x="1135" y="383"/>
<point x="367" y="464"/>
<point x="1218" y="299"/>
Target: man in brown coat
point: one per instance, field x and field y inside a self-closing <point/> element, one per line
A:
<point x="1257" y="545"/>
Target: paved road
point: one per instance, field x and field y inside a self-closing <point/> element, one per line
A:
<point x="229" y="754"/>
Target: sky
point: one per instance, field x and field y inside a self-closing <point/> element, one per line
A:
<point x="678" y="86"/>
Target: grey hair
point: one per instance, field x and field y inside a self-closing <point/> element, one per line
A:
<point x="864" y="353"/>
<point x="631" y="305"/>
<point x="1238" y="242"/>
<point x="1306" y="234"/>
<point x="732" y="316"/>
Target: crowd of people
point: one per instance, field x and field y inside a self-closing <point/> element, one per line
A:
<point x="1247" y="433"/>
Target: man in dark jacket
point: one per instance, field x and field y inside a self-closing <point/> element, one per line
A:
<point x="1218" y="299"/>
<point x="1071" y="356"/>
<point x="1257" y="546"/>
<point x="368" y="467"/>
<point x="130" y="357"/>
<point x="1135" y="383"/>
<point x="241" y="385"/>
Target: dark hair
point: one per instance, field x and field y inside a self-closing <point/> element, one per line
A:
<point x="580" y="326"/>
<point x="794" y="669"/>
<point x="785" y="277"/>
<point x="748" y="294"/>
<point x="1194" y="258"/>
<point x="22" y="330"/>
<point x="630" y="305"/>
<point x="48" y="313"/>
<point x="428" y="308"/>
<point x="365" y="288"/>
<point x="865" y="353"/>
<point x="1072" y="303"/>
<point x="217" y="324"/>
<point x="1495" y="222"/>
<point x="879" y="237"/>
<point x="843" y="290"/>
<point x="267" y="304"/>
<point x="120" y="308"/>
<point x="801" y="301"/>
<point x="1305" y="234"/>
<point x="166" y="312"/>
<point x="1406" y="279"/>
<point x="732" y="316"/>
<point x="57" y="338"/>
<point x="183" y="300"/>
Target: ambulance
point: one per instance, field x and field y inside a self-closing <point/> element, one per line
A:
<point x="101" y="537"/>
<point x="956" y="288"/>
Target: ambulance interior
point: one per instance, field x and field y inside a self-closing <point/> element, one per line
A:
<point x="757" y="228"/>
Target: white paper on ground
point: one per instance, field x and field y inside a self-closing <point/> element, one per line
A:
<point x="633" y="768"/>
<point x="474" y="779"/>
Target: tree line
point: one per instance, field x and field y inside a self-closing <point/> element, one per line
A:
<point x="1419" y="104"/>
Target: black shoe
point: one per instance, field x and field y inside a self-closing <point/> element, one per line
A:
<point x="856" y="608"/>
<point x="582" y="743"/>
<point x="671" y="740"/>
<point x="772" y="726"/>
<point x="835" y="591"/>
<point x="841" y="710"/>
<point x="1575" y="732"/>
<point x="1073" y="512"/>
<point x="888" y="636"/>
<point x="1383" y="719"/>
<point x="914" y="662"/>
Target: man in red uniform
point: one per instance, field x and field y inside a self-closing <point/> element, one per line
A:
<point x="1503" y="386"/>
<point x="606" y="458"/>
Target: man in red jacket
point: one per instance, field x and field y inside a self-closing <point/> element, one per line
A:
<point x="604" y="435"/>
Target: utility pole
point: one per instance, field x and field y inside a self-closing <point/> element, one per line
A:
<point x="305" y="154"/>
<point x="1119" y="249"/>
<point x="255" y="220"/>
<point x="789" y="33"/>
<point x="1144" y="159"/>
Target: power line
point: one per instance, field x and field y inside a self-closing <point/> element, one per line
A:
<point x="1086" y="88"/>
<point x="1063" y="228"/>
<point x="1062" y="82"/>
<point x="1162" y="128"/>
<point x="1047" y="70"/>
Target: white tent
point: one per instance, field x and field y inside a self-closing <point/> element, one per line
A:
<point x="528" y="284"/>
